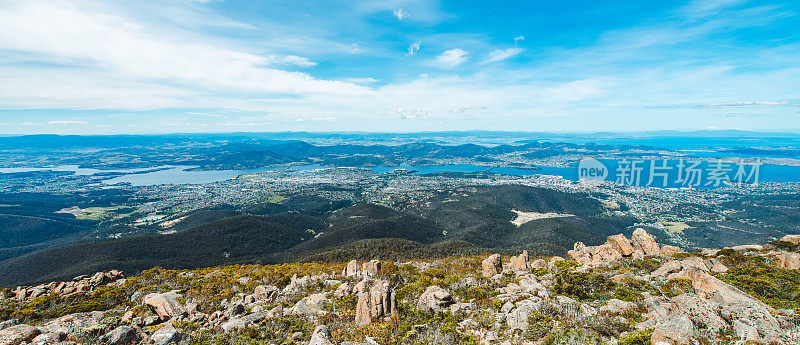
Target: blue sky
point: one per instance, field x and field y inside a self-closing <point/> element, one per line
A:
<point x="82" y="66"/>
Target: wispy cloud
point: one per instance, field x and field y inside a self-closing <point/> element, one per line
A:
<point x="502" y="54"/>
<point x="414" y="47"/>
<point x="400" y="14"/>
<point x="66" y="122"/>
<point x="121" y="49"/>
<point x="452" y="58"/>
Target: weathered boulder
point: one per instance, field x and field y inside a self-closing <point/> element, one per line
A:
<point x="621" y="244"/>
<point x="351" y="269"/>
<point x="311" y="305"/>
<point x="363" y="316"/>
<point x="73" y="324"/>
<point x="580" y="253"/>
<point x="492" y="266"/>
<point x="789" y="261"/>
<point x="166" y="335"/>
<point x="242" y="322"/>
<point x="732" y="304"/>
<point x="791" y="238"/>
<point x="342" y="290"/>
<point x="604" y="254"/>
<point x="517" y="318"/>
<point x="675" y="329"/>
<point x="371" y="268"/>
<point x="616" y="306"/>
<point x="164" y="304"/>
<point x="670" y="250"/>
<point x="699" y="310"/>
<point x="435" y="298"/>
<point x="643" y="243"/>
<point x="18" y="334"/>
<point x="321" y="336"/>
<point x="519" y="263"/>
<point x="121" y="335"/>
<point x="266" y="293"/>
<point x="375" y="299"/>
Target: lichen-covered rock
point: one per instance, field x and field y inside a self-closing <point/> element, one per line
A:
<point x="266" y="293"/>
<point x="677" y="328"/>
<point x="643" y="243"/>
<point x="791" y="238"/>
<point x="311" y="305"/>
<point x="519" y="263"/>
<point x="18" y="334"/>
<point x="121" y="335"/>
<point x="492" y="266"/>
<point x="166" y="335"/>
<point x="621" y="244"/>
<point x="371" y="268"/>
<point x="164" y="304"/>
<point x="321" y="336"/>
<point x="351" y="269"/>
<point x="435" y="298"/>
<point x="580" y="253"/>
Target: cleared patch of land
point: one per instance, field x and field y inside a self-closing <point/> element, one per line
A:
<point x="90" y="213"/>
<point x="676" y="227"/>
<point x="524" y="217"/>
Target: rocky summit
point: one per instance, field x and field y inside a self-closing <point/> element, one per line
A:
<point x="624" y="291"/>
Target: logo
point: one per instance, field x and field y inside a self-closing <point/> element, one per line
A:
<point x="592" y="169"/>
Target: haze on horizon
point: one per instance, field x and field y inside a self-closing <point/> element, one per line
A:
<point x="106" y="67"/>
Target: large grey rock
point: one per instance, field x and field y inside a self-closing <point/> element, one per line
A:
<point x="351" y="269"/>
<point x="266" y="293"/>
<point x="699" y="310"/>
<point x="311" y="305"/>
<point x="519" y="263"/>
<point x="363" y="316"/>
<point x="321" y="336"/>
<point x="166" y="335"/>
<point x="675" y="329"/>
<point x="621" y="244"/>
<point x="121" y="335"/>
<point x="17" y="334"/>
<point x="371" y="268"/>
<point x="643" y="243"/>
<point x="616" y="306"/>
<point x="791" y="238"/>
<point x="492" y="266"/>
<point x="246" y="320"/>
<point x="580" y="253"/>
<point x="435" y="298"/>
<point x="517" y="318"/>
<point x="164" y="304"/>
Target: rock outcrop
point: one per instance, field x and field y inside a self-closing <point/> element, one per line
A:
<point x="491" y="266"/>
<point x="79" y="284"/>
<point x="618" y="246"/>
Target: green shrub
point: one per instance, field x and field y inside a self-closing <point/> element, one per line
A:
<point x="637" y="338"/>
<point x="581" y="285"/>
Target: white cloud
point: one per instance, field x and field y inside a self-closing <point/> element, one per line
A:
<point x="574" y="91"/>
<point x="400" y="14"/>
<point x="414" y="47"/>
<point x="502" y="54"/>
<point x="360" y="80"/>
<point x="519" y="38"/>
<point x="67" y="122"/>
<point x="291" y="60"/>
<point x="119" y="51"/>
<point x="452" y="58"/>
